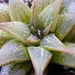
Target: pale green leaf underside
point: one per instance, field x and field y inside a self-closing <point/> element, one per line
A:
<point x="18" y="30"/>
<point x="40" y="58"/>
<point x="19" y="11"/>
<point x="66" y="25"/>
<point x="50" y="14"/>
<point x="13" y="51"/>
<point x="63" y="58"/>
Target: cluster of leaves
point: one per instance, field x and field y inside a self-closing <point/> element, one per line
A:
<point x="37" y="36"/>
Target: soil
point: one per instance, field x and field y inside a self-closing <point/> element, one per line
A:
<point x="53" y="69"/>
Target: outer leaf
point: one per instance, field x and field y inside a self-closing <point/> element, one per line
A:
<point x="16" y="69"/>
<point x="71" y="8"/>
<point x="19" y="11"/>
<point x="65" y="26"/>
<point x="50" y="14"/>
<point x="70" y="45"/>
<point x="4" y="37"/>
<point x="40" y="58"/>
<point x="20" y="69"/>
<point x="52" y="43"/>
<point x="35" y="21"/>
<point x="63" y="58"/>
<point x="4" y="15"/>
<point x="68" y="6"/>
<point x="13" y="51"/>
<point x="67" y="2"/>
<point x="70" y="35"/>
<point x="18" y="30"/>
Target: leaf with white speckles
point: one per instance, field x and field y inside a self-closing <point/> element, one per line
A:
<point x="19" y="11"/>
<point x="40" y="58"/>
<point x="50" y="14"/>
<point x="13" y="51"/>
<point x="18" y="30"/>
<point x="63" y="58"/>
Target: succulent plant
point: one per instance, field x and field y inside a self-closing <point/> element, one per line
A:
<point x="31" y="38"/>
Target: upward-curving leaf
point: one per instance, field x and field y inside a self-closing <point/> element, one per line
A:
<point x="35" y="21"/>
<point x="41" y="4"/>
<point x="13" y="51"/>
<point x="18" y="30"/>
<point x="65" y="26"/>
<point x="19" y="11"/>
<point x="50" y="14"/>
<point x="40" y="58"/>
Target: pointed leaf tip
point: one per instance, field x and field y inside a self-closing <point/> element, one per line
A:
<point x="35" y="21"/>
<point x="18" y="30"/>
<point x="40" y="58"/>
<point x="50" y="14"/>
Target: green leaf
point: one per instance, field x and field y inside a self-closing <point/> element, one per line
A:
<point x="52" y="43"/>
<point x="35" y="21"/>
<point x="4" y="15"/>
<point x="65" y="26"/>
<point x="18" y="30"/>
<point x="70" y="35"/>
<point x="61" y="19"/>
<point x="46" y="30"/>
<point x="19" y="11"/>
<point x="41" y="4"/>
<point x="33" y="40"/>
<point x="40" y="58"/>
<point x="4" y="37"/>
<point x="50" y="14"/>
<point x="70" y="45"/>
<point x="68" y="6"/>
<point x="20" y="68"/>
<point x="64" y="58"/>
<point x="13" y="51"/>
<point x="16" y="69"/>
